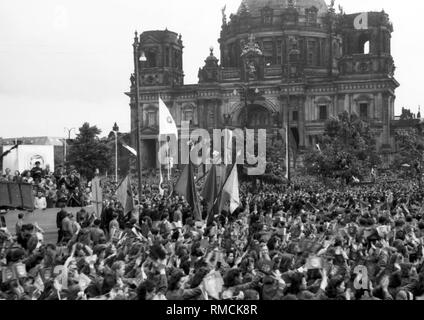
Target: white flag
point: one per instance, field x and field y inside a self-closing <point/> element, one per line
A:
<point x="167" y="124"/>
<point x="132" y="150"/>
<point x="125" y="196"/>
<point x="161" y="191"/>
<point x="230" y="198"/>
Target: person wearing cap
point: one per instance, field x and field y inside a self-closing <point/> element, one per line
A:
<point x="37" y="172"/>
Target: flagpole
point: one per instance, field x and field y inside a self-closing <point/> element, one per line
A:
<point x="137" y="57"/>
<point x="288" y="112"/>
<point x="169" y="162"/>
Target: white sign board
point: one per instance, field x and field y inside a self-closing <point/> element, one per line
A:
<point x="25" y="156"/>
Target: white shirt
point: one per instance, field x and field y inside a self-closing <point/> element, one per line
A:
<point x="40" y="203"/>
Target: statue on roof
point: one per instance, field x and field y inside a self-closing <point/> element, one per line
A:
<point x="224" y="16"/>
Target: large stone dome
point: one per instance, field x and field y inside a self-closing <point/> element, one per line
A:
<point x="254" y="6"/>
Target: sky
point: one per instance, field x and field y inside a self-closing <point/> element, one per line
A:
<point x="66" y="62"/>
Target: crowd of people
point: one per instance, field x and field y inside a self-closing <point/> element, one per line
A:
<point x="52" y="189"/>
<point x="303" y="241"/>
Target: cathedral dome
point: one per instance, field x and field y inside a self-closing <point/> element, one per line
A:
<point x="254" y="6"/>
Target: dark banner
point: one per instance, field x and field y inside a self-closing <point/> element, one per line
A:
<point x="16" y="195"/>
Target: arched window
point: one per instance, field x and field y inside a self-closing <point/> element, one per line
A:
<point x="312" y="53"/>
<point x="151" y="117"/>
<point x="211" y="118"/>
<point x="151" y="56"/>
<point x="268" y="51"/>
<point x="367" y="47"/>
<point x="188" y="113"/>
<point x="322" y="112"/>
<point x="267" y="15"/>
<point x="167" y="55"/>
<point x="363" y="110"/>
<point x="364" y="44"/>
<point x="311" y="16"/>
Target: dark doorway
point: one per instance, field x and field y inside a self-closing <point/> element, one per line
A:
<point x="295" y="133"/>
<point x="150" y="154"/>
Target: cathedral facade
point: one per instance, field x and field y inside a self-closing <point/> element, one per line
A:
<point x="281" y="62"/>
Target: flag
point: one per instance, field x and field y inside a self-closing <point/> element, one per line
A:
<point x="96" y="191"/>
<point x="132" y="150"/>
<point x="125" y="196"/>
<point x="230" y="199"/>
<point x="186" y="187"/>
<point x="167" y="124"/>
<point x="161" y="191"/>
<point x="292" y="143"/>
<point x="210" y="189"/>
<point x="292" y="140"/>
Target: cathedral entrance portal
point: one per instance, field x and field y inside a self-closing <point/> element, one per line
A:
<point x="149" y="154"/>
<point x="255" y="117"/>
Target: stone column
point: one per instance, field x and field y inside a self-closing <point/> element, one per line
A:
<point x="346" y="103"/>
<point x="334" y="113"/>
<point x="380" y="106"/>
<point x="386" y="119"/>
<point x="310" y="109"/>
<point x="202" y="113"/>
<point x="155" y="154"/>
<point x="301" y="121"/>
<point x="218" y="113"/>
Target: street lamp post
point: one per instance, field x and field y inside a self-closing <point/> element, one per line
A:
<point x="287" y="115"/>
<point x="116" y="130"/>
<point x="290" y="51"/>
<point x="65" y="144"/>
<point x="138" y="56"/>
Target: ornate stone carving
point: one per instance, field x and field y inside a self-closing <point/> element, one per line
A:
<point x="224" y="16"/>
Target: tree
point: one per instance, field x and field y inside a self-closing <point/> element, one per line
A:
<point x="88" y="152"/>
<point x="410" y="147"/>
<point x="348" y="148"/>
